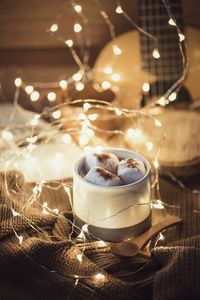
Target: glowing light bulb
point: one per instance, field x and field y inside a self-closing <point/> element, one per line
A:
<point x="181" y="37"/>
<point x="79" y="86"/>
<point x="158" y="204"/>
<point x="86" y="106"/>
<point x="116" y="50"/>
<point x="99" y="277"/>
<point x="118" y="112"/>
<point x="161" y="237"/>
<point x="155" y="163"/>
<point x="78" y="76"/>
<point x="7" y="135"/>
<point x="156" y="53"/>
<point x="119" y="9"/>
<point x="34" y="96"/>
<point x="77" y="27"/>
<point x="66" y="138"/>
<point x="85" y="228"/>
<point x="29" y="89"/>
<point x="157" y="123"/>
<point x="101" y="243"/>
<point x="92" y="117"/>
<point x="54" y="27"/>
<point x="82" y="116"/>
<point x="106" y="85"/>
<point x="20" y="238"/>
<point x="18" y="82"/>
<point x="79" y="257"/>
<point x="115" y="77"/>
<point x="134" y="133"/>
<point x="51" y="96"/>
<point x="56" y="114"/>
<point x="63" y="84"/>
<point x="15" y="213"/>
<point x="108" y="70"/>
<point x="149" y="146"/>
<point x="162" y="101"/>
<point x="83" y="140"/>
<point x="35" y="119"/>
<point x="78" y="8"/>
<point x="69" y="43"/>
<point x="146" y="87"/>
<point x="173" y="96"/>
<point x="171" y="22"/>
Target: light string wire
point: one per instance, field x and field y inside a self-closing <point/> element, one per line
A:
<point x="37" y="190"/>
<point x="8" y="136"/>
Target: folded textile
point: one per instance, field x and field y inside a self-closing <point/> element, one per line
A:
<point x="44" y="264"/>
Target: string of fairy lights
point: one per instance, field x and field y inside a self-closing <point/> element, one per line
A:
<point x="86" y="116"/>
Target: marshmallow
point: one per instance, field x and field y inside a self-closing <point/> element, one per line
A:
<point x="100" y="176"/>
<point x="106" y="161"/>
<point x="131" y="170"/>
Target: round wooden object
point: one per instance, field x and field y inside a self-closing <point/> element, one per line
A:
<point x="180" y="151"/>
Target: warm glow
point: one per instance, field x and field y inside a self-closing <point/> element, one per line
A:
<point x="29" y="89"/>
<point x="116" y="50"/>
<point x="146" y="87"/>
<point x="80" y="257"/>
<point x="34" y="96"/>
<point x="171" y="22"/>
<point x="77" y="27"/>
<point x="181" y="37"/>
<point x="86" y="106"/>
<point x="106" y="85"/>
<point x="83" y="140"/>
<point x="119" y="9"/>
<point x="51" y="96"/>
<point x="56" y="114"/>
<point x="99" y="277"/>
<point x="161" y="237"/>
<point x="162" y="101"/>
<point x="149" y="146"/>
<point x="34" y="121"/>
<point x="173" y="96"/>
<point x="85" y="227"/>
<point x="69" y="43"/>
<point x="77" y="76"/>
<point x="157" y="123"/>
<point x="115" y="77"/>
<point x="156" y="53"/>
<point x="79" y="86"/>
<point x="158" y="204"/>
<point x="118" y="112"/>
<point x="101" y="243"/>
<point x="7" y="135"/>
<point x="66" y="138"/>
<point x="54" y="27"/>
<point x="82" y="116"/>
<point x="63" y="84"/>
<point x="78" y="8"/>
<point x="108" y="70"/>
<point x="92" y="117"/>
<point x="134" y="133"/>
<point x="155" y="163"/>
<point x="18" y="82"/>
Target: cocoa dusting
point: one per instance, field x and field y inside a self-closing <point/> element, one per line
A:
<point x="131" y="163"/>
<point x="102" y="156"/>
<point x="105" y="174"/>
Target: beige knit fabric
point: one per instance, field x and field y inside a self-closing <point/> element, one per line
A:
<point x="42" y="268"/>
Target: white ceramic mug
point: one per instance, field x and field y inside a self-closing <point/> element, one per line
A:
<point x="113" y="213"/>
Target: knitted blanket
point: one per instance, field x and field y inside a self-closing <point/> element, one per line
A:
<point x="44" y="264"/>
